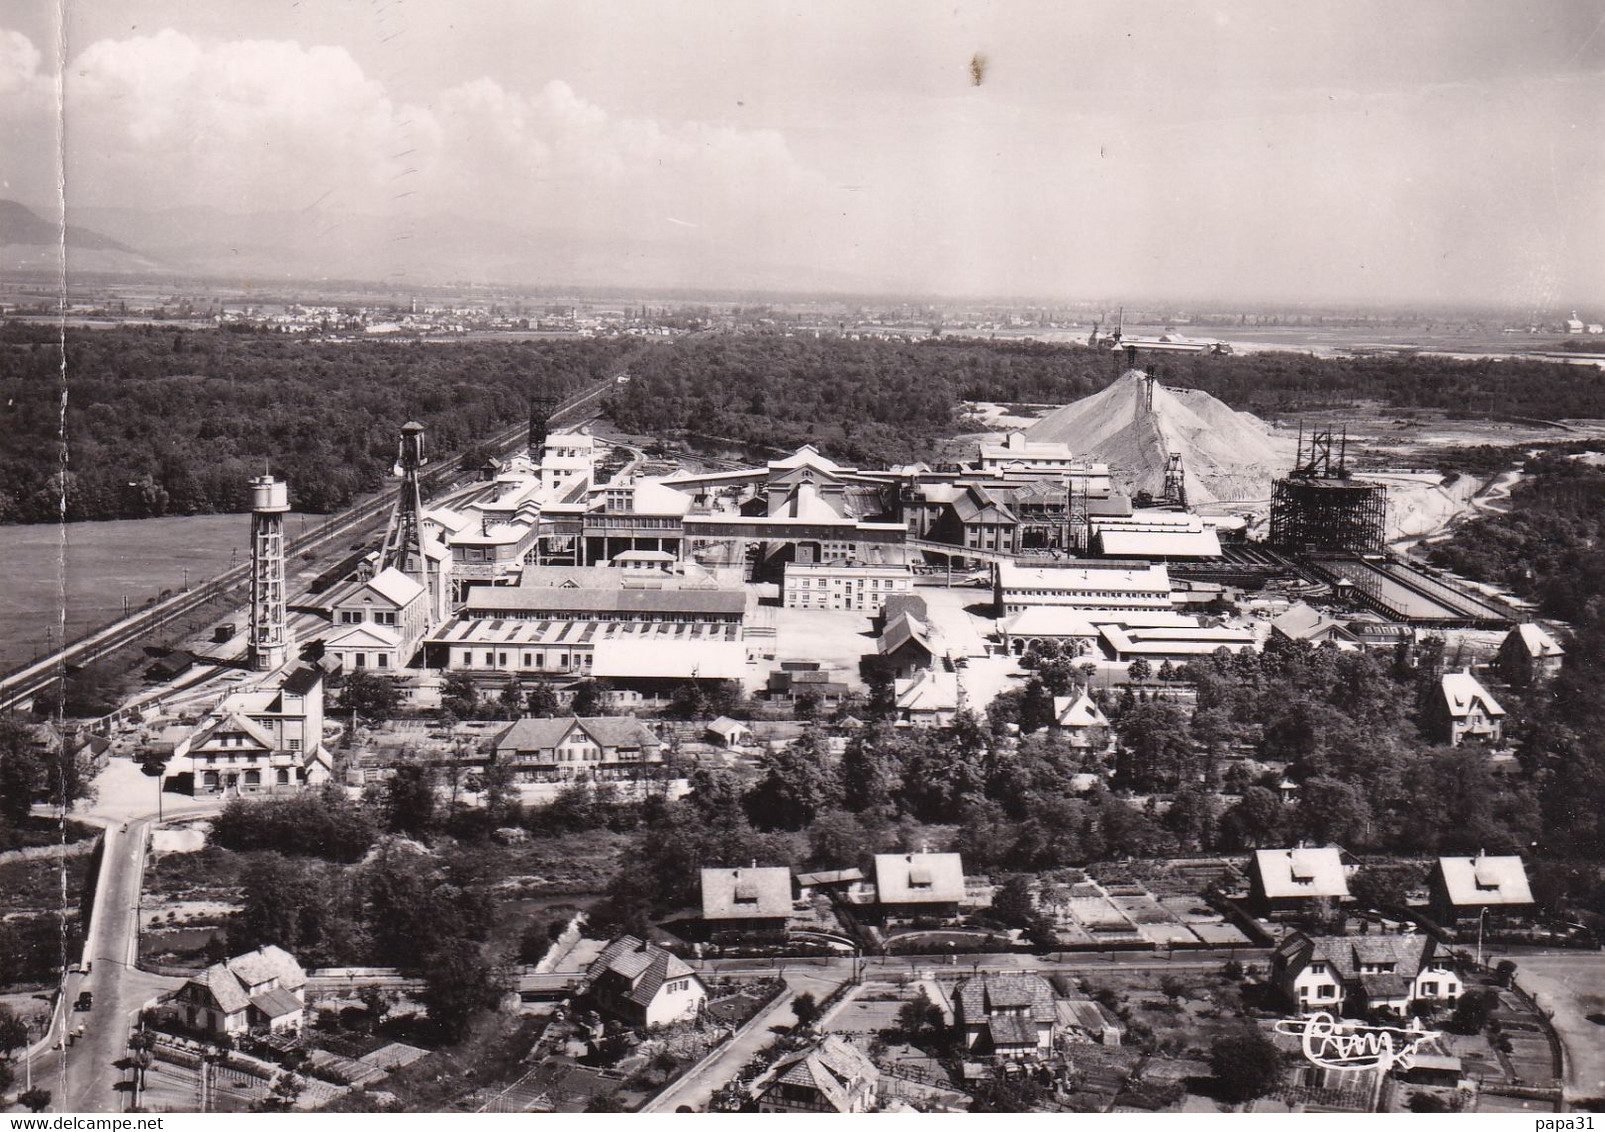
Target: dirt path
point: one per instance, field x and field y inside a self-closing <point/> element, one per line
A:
<point x="1570" y="987"/>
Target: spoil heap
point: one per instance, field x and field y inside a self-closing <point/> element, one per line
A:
<point x="1228" y="456"/>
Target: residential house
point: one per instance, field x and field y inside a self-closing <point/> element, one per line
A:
<point x="919" y="884"/>
<point x="1530" y="655"/>
<point x="642" y="985"/>
<point x="1007" y="1016"/>
<point x="1305" y="623"/>
<point x="729" y="733"/>
<point x="379" y="623"/>
<point x="268" y="741"/>
<point x="897" y="603"/>
<point x="262" y="989"/>
<point x="1289" y="880"/>
<point x="750" y="899"/>
<point x="832" y="1075"/>
<point x="1083" y="722"/>
<point x="1354" y="974"/>
<point x="573" y="749"/>
<point x="1464" y="887"/>
<point x="1464" y="710"/>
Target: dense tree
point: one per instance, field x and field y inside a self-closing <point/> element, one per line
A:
<point x="798" y="783"/>
<point x="369" y="697"/>
<point x="543" y="702"/>
<point x="458" y="984"/>
<point x="410" y="800"/>
<point x="805" y="1007"/>
<point x="1245" y="1064"/>
<point x="1013" y="902"/>
<point x="324" y="824"/>
<point x="13" y="1032"/>
<point x="591" y="697"/>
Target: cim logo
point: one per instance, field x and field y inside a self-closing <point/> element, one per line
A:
<point x="1332" y="1044"/>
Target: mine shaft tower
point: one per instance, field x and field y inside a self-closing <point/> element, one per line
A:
<point x="1320" y="508"/>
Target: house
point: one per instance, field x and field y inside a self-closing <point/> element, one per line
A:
<point x="379" y="623"/>
<point x="930" y="698"/>
<point x="642" y="985"/>
<point x="750" y="899"/>
<point x="1007" y="1016"/>
<point x="798" y="679"/>
<point x="902" y="603"/>
<point x="1294" y="879"/>
<point x="831" y="1075"/>
<point x="919" y="884"/>
<point x="1529" y="655"/>
<point x="905" y="647"/>
<point x="1463" y="887"/>
<point x="729" y="733"/>
<point x="1464" y="710"/>
<point x="268" y="741"/>
<point x="1303" y="622"/>
<point x="1360" y="973"/>
<point x="1082" y="721"/>
<point x="572" y="749"/>
<point x="262" y="989"/>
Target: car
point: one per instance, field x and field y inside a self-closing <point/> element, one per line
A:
<point x="86" y="1001"/>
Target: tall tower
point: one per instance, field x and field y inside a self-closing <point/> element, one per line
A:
<point x="404" y="545"/>
<point x="270" y="627"/>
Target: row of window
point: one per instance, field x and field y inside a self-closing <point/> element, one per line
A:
<point x="360" y="660"/>
<point x="249" y="780"/>
<point x="358" y="616"/>
<point x="534" y="660"/>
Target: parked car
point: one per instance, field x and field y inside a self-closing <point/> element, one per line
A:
<point x="86" y="1000"/>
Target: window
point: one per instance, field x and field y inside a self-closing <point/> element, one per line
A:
<point x="351" y="617"/>
<point x="294" y="745"/>
<point x="382" y="617"/>
<point x="490" y="660"/>
<point x="1429" y="989"/>
<point x="362" y="659"/>
<point x="283" y="776"/>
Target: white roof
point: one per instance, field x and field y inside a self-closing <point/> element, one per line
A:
<point x="1167" y="640"/>
<point x="1473" y="881"/>
<point x="394" y="586"/>
<point x="807" y="455"/>
<point x="1462" y="692"/>
<point x="1078" y="711"/>
<point x="1125" y="543"/>
<point x="919" y="878"/>
<point x="1537" y="642"/>
<point x="703" y="660"/>
<point x="1153" y="578"/>
<point x="1068" y="621"/>
<point x="363" y="636"/>
<point x="1301" y="872"/>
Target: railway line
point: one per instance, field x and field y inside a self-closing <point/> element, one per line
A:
<point x="20" y="685"/>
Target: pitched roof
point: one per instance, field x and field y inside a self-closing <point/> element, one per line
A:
<point x="1474" y="881"/>
<point x="643" y="967"/>
<point x="833" y="1068"/>
<point x="981" y="996"/>
<point x="363" y="636"/>
<point x="277" y="1003"/>
<point x="919" y="878"/>
<point x="1079" y="711"/>
<point x="1007" y="1030"/>
<point x="1304" y="622"/>
<point x="267" y="963"/>
<point x="902" y="630"/>
<point x="394" y="586"/>
<point x="233" y="721"/>
<point x="224" y="987"/>
<point x="726" y="726"/>
<point x="1404" y="955"/>
<point x="903" y="603"/>
<point x="1537" y="643"/>
<point x="1301" y="872"/>
<point x="746" y="894"/>
<point x="1462" y="691"/>
<point x="531" y="734"/>
<point x="829" y="876"/>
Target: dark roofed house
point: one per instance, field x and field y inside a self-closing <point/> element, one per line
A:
<point x="1008" y="1016"/>
<point x="575" y="749"/>
<point x="746" y="899"/>
<point x="919" y="884"/>
<point x="830" y="1076"/>
<point x="905" y="647"/>
<point x="642" y="985"/>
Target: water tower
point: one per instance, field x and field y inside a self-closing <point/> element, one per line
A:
<point x="270" y="627"/>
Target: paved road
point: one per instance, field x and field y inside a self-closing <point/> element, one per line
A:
<point x="1570" y="985"/>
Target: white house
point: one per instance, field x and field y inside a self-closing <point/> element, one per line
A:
<point x="1357" y="973"/>
<point x="268" y="741"/>
<point x="379" y="623"/>
<point x="1465" y="710"/>
<point x="1294" y="879"/>
<point x="262" y="989"/>
<point x="1462" y="887"/>
<point x="643" y="985"/>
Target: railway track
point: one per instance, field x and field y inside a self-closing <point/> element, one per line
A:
<point x="22" y="684"/>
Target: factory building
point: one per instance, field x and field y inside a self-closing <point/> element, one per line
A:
<point x="833" y="585"/>
<point x="1084" y="583"/>
<point x="379" y="623"/>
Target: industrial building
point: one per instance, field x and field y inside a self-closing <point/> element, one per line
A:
<point x="1083" y="583"/>
<point x="843" y="585"/>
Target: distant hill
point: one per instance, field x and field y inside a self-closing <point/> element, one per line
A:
<point x="29" y="241"/>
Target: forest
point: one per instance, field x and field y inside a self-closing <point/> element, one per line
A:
<point x="876" y="401"/>
<point x="164" y="422"/>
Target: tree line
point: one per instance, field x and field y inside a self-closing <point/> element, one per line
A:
<point x="163" y="422"/>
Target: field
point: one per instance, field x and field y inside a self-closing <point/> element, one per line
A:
<point x="135" y="559"/>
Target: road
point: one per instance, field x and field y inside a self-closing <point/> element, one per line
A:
<point x="82" y="1075"/>
<point x="1570" y="986"/>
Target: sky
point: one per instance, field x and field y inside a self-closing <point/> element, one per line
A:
<point x="1446" y="152"/>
